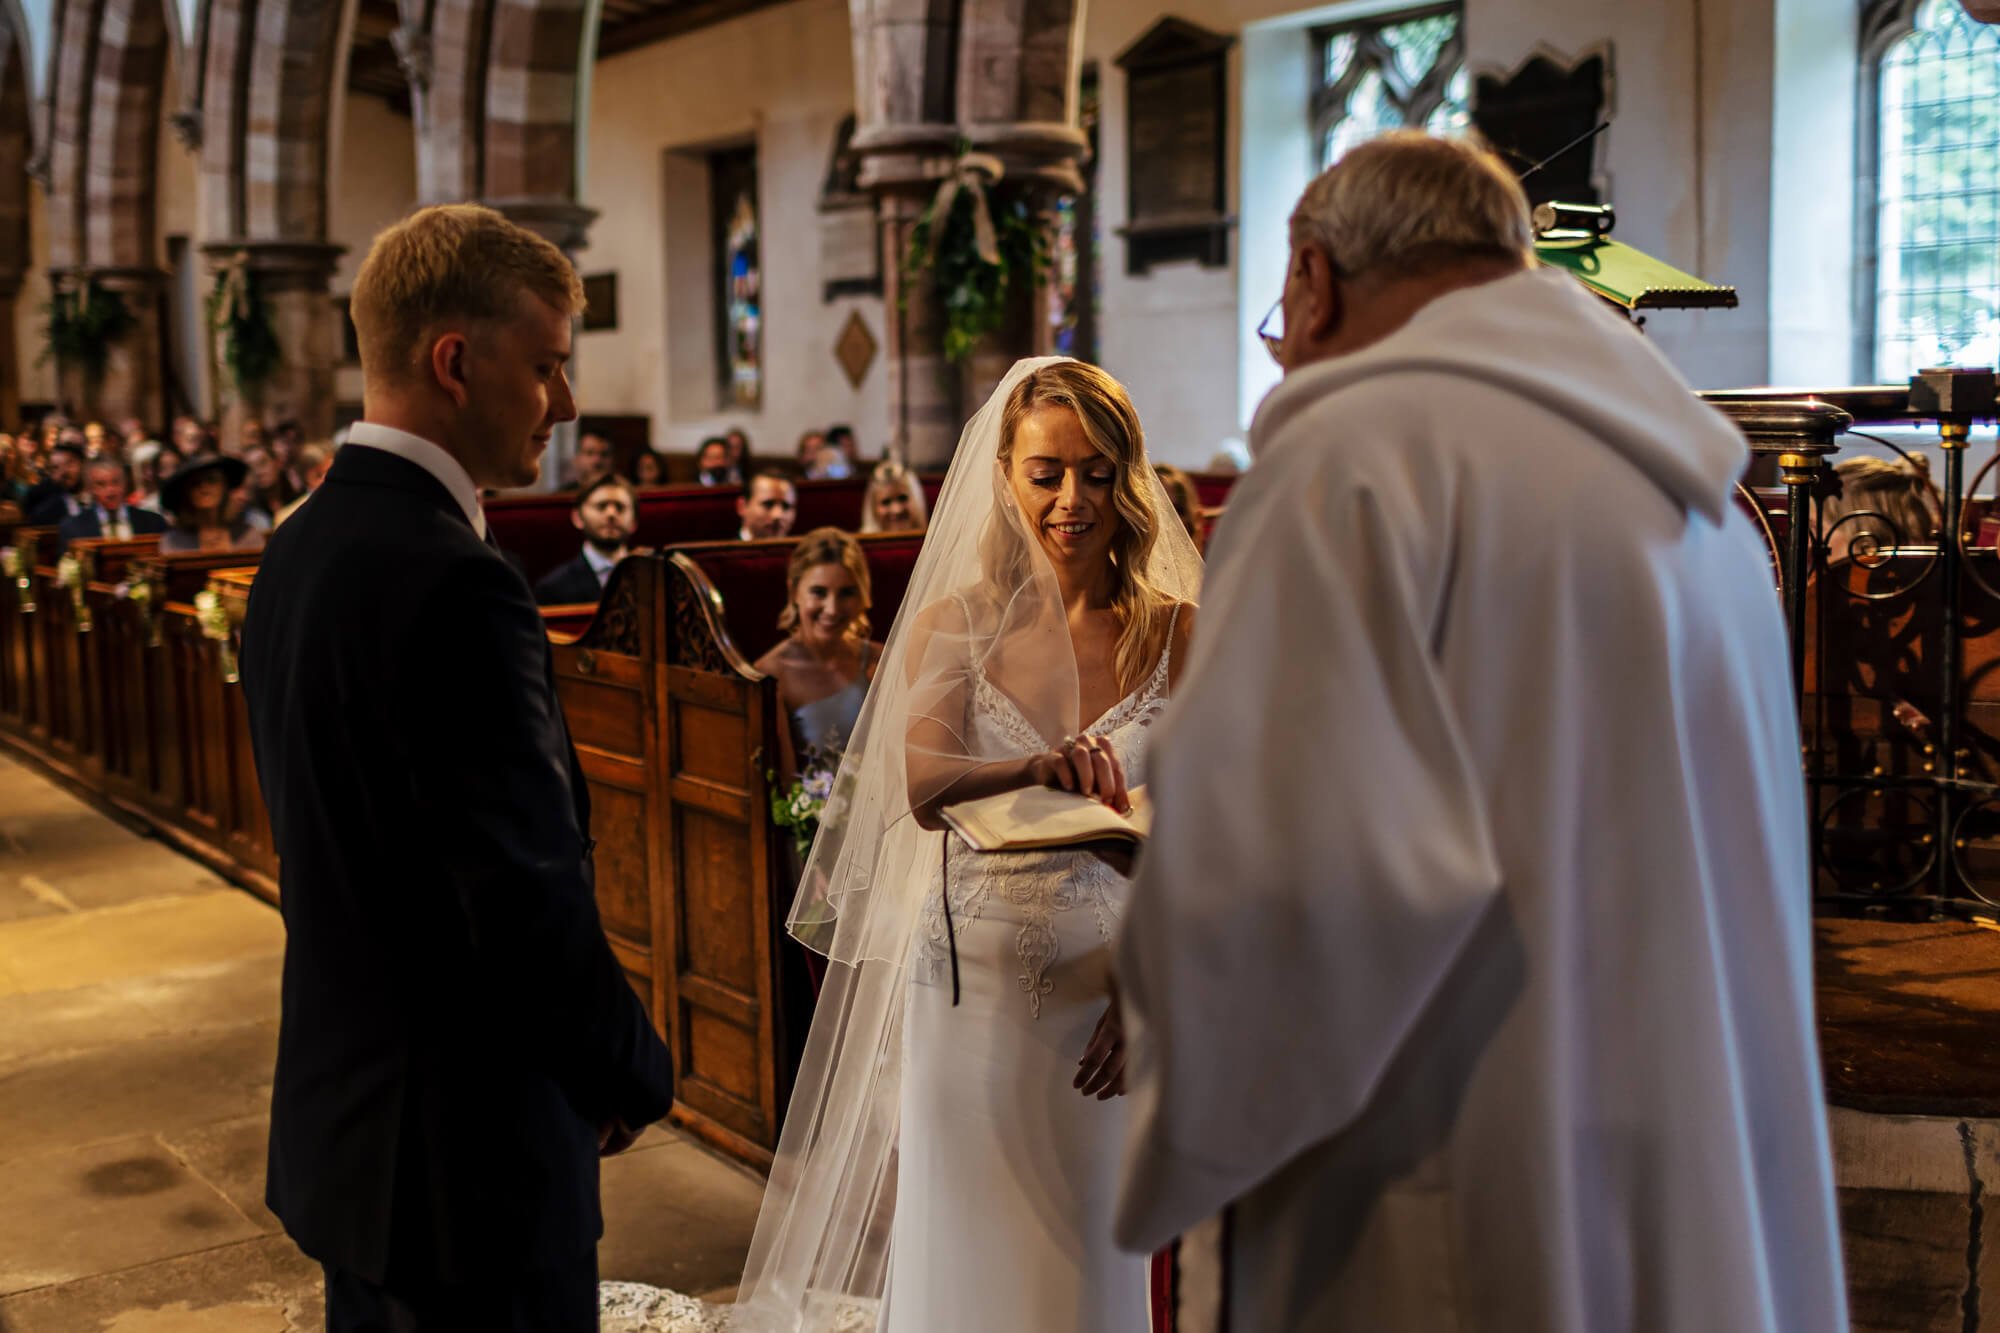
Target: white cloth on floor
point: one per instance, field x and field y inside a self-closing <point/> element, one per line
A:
<point x="1470" y="959"/>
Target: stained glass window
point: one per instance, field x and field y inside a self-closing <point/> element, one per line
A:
<point x="1389" y="72"/>
<point x="1073" y="284"/>
<point x="739" y="276"/>
<point x="1936" y="202"/>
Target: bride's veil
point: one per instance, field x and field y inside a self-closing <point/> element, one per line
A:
<point x="983" y="612"/>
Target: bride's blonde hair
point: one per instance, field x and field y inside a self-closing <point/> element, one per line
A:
<point x="1111" y="424"/>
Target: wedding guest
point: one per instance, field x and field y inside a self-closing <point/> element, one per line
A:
<point x="607" y="514"/>
<point x="825" y="661"/>
<point x="132" y="431"/>
<point x="649" y="470"/>
<point x="594" y="459"/>
<point x="60" y="494"/>
<point x="110" y="512"/>
<point x="1880" y="505"/>
<point x="191" y="437"/>
<point x="842" y="438"/>
<point x="712" y="464"/>
<point x="12" y="488"/>
<point x="196" y="498"/>
<point x="164" y="465"/>
<point x="1509" y="1024"/>
<point x="768" y="506"/>
<point x="266" y="490"/>
<point x="93" y="438"/>
<point x="313" y="462"/>
<point x="808" y="452"/>
<point x="250" y="435"/>
<point x="894" y="501"/>
<point x="1187" y="501"/>
<point x="739" y="449"/>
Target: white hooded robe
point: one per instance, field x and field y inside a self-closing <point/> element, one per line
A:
<point x="1470" y="960"/>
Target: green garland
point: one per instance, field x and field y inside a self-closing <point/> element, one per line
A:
<point x="972" y="293"/>
<point x="82" y="326"/>
<point x="237" y="312"/>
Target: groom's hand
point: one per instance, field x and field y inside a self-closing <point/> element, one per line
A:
<point x="1101" y="1072"/>
<point x="613" y="1137"/>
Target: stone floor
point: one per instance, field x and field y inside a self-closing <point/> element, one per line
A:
<point x="138" y="1018"/>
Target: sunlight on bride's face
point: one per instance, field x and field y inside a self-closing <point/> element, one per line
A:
<point x="1064" y="488"/>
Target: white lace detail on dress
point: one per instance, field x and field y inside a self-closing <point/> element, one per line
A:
<point x="1038" y="885"/>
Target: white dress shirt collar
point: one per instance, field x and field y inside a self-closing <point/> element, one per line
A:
<point x="432" y="458"/>
<point x="600" y="563"/>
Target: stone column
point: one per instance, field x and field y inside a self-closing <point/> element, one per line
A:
<point x="10" y="354"/>
<point x="131" y="384"/>
<point x="1040" y="160"/>
<point x="293" y="280"/>
<point x="902" y="166"/>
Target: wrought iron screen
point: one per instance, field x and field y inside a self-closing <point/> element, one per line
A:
<point x="1393" y="71"/>
<point x="1930" y="280"/>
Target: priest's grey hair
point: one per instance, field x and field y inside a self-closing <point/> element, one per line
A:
<point x="1406" y="201"/>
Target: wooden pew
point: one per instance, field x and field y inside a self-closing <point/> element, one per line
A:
<point x="674" y="728"/>
<point x="537" y="528"/>
<point x="19" y="605"/>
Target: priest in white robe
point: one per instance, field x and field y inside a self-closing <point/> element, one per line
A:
<point x="1468" y="972"/>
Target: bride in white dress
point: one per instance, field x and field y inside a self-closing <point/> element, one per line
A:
<point x="950" y="1156"/>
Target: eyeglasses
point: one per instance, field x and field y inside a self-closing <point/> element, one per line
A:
<point x="1274" y="339"/>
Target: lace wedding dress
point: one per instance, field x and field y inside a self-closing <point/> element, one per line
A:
<point x="1006" y="1175"/>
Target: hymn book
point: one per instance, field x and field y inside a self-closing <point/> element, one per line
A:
<point x="1040" y="818"/>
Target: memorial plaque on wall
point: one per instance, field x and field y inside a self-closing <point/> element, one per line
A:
<point x="1544" y="108"/>
<point x="1176" y="96"/>
<point x="850" y="248"/>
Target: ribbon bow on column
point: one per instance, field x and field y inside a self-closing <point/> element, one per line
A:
<point x="972" y="173"/>
<point x="232" y="279"/>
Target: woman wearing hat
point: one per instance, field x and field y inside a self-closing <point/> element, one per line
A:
<point x="196" y="499"/>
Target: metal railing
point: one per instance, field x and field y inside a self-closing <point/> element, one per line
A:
<point x="1899" y="794"/>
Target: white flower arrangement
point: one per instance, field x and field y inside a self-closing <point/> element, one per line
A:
<point x="212" y="616"/>
<point x="69" y="573"/>
<point x="10" y="563"/>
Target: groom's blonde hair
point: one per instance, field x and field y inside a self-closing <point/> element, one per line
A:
<point x="1409" y="201"/>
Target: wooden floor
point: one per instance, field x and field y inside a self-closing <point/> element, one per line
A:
<point x="1910" y="1017"/>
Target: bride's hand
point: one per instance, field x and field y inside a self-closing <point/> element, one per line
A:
<point x="1087" y="765"/>
<point x="1101" y="1072"/>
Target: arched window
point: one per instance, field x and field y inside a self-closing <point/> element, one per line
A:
<point x="1393" y="71"/>
<point x="1930" y="283"/>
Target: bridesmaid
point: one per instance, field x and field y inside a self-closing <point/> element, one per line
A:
<point x="824" y="663"/>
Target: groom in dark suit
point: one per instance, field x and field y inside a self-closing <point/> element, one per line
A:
<point x="458" y="1044"/>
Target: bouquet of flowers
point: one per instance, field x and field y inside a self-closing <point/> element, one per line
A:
<point x="213" y="617"/>
<point x="69" y="573"/>
<point x="799" y="807"/>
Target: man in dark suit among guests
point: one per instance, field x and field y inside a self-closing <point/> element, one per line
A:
<point x="607" y="513"/>
<point x="768" y="507"/>
<point x="595" y="460"/>
<point x="109" y="514"/>
<point x="59" y="495"/>
<point x="457" y="1044"/>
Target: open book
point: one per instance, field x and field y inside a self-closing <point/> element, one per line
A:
<point x="1038" y="818"/>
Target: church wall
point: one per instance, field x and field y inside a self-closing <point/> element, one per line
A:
<point x="38" y="381"/>
<point x="782" y="78"/>
<point x="1695" y="189"/>
<point x="1688" y="159"/>
<point x="374" y="185"/>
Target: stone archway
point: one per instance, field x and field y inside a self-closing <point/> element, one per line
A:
<point x="16" y="138"/>
<point x="269" y="95"/>
<point x="109" y="70"/>
<point x="500" y="110"/>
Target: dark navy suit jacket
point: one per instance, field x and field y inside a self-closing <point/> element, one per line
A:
<point x="454" y="1026"/>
